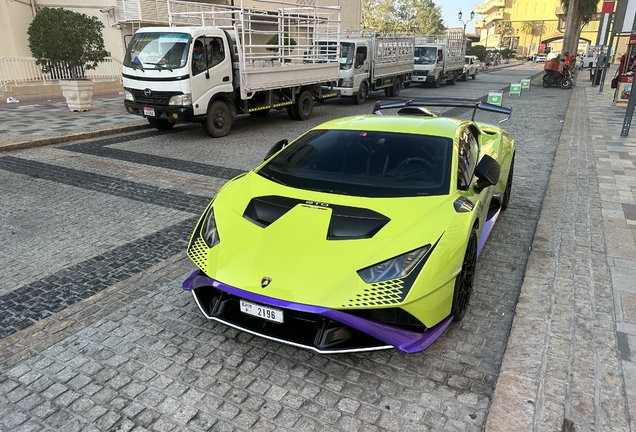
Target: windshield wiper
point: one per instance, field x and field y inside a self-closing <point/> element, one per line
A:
<point x="271" y="177"/>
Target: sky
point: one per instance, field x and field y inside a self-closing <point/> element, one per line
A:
<point x="450" y="9"/>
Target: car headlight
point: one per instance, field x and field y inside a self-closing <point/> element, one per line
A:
<point x="347" y="82"/>
<point x="181" y="100"/>
<point x="209" y="231"/>
<point x="393" y="268"/>
<point x="128" y="96"/>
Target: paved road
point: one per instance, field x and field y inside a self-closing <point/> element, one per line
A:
<point x="97" y="333"/>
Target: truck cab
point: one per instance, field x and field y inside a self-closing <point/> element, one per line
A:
<point x="185" y="65"/>
<point x="428" y="63"/>
<point x="354" y="73"/>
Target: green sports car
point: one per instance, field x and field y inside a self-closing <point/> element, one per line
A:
<point x="361" y="234"/>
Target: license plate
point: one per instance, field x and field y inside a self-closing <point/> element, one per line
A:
<point x="150" y="112"/>
<point x="261" y="311"/>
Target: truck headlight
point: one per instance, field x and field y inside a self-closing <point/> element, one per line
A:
<point x="393" y="268"/>
<point x="181" y="100"/>
<point x="128" y="96"/>
<point x="347" y="82"/>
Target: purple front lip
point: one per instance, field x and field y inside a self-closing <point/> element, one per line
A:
<point x="405" y="340"/>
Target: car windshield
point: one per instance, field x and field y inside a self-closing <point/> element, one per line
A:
<point x="425" y="55"/>
<point x="364" y="163"/>
<point x="157" y="51"/>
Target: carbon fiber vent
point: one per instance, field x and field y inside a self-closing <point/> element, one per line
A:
<point x="347" y="223"/>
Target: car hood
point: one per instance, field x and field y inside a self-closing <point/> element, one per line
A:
<point x="298" y="250"/>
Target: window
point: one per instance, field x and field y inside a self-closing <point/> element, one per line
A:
<point x="207" y="52"/>
<point x="468" y="151"/>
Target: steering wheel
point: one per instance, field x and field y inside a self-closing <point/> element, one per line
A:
<point x="428" y="167"/>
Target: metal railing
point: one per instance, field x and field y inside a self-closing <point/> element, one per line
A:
<point x="18" y="70"/>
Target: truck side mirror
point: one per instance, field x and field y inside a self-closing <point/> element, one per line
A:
<point x="276" y="148"/>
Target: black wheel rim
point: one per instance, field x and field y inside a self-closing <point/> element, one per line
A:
<point x="467" y="275"/>
<point x="219" y="119"/>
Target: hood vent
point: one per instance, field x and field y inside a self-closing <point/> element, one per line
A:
<point x="347" y="223"/>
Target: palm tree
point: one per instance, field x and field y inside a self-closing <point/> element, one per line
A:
<point x="527" y="27"/>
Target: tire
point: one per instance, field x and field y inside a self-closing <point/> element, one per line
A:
<point x="453" y="80"/>
<point x="361" y="96"/>
<point x="566" y="84"/>
<point x="260" y="113"/>
<point x="438" y="81"/>
<point x="474" y="75"/>
<point x="546" y="82"/>
<point x="465" y="76"/>
<point x="394" y="90"/>
<point x="218" y="121"/>
<point x="160" y="124"/>
<point x="387" y="91"/>
<point x="304" y="106"/>
<point x="465" y="279"/>
<point x="506" y="196"/>
<point x="291" y="112"/>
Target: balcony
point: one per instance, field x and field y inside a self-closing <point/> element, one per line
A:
<point x="496" y="16"/>
<point x="489" y="6"/>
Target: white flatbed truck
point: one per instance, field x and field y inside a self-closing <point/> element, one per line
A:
<point x="439" y="58"/>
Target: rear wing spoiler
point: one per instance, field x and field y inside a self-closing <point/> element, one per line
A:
<point x="473" y="104"/>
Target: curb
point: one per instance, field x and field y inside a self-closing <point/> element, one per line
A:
<point x="71" y="137"/>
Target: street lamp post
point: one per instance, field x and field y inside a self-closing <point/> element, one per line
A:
<point x="459" y="17"/>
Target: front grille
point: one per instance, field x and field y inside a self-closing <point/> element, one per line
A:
<point x="156" y="97"/>
<point x="420" y="73"/>
<point x="299" y="328"/>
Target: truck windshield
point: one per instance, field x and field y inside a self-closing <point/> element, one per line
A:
<point x="157" y="51"/>
<point x="425" y="55"/>
<point x="347" y="54"/>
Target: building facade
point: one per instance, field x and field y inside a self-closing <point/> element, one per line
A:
<point x="122" y="18"/>
<point x="527" y="26"/>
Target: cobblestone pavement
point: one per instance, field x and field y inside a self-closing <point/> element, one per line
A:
<point x="569" y="363"/>
<point x="118" y="346"/>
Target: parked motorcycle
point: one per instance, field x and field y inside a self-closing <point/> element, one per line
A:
<point x="562" y="78"/>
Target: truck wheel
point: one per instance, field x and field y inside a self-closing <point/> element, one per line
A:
<point x="397" y="86"/>
<point x="218" y="121"/>
<point x="304" y="106"/>
<point x="387" y="91"/>
<point x="291" y="112"/>
<point x="160" y="124"/>
<point x="474" y="75"/>
<point x="361" y="96"/>
<point x="438" y="81"/>
<point x="465" y="76"/>
<point x="453" y="80"/>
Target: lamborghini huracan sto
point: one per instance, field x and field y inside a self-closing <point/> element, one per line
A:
<point x="361" y="234"/>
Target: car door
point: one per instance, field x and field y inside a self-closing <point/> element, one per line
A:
<point x="211" y="71"/>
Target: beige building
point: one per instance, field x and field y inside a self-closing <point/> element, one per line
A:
<point x="121" y="19"/>
<point x="528" y="26"/>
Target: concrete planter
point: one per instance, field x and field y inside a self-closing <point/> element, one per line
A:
<point x="78" y="94"/>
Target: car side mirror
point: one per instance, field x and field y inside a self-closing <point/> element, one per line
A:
<point x="487" y="173"/>
<point x="276" y="148"/>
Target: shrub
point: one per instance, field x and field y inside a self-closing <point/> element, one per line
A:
<point x="63" y="38"/>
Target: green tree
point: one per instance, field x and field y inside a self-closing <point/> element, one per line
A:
<point x="477" y="50"/>
<point x="527" y="28"/>
<point x="578" y="14"/>
<point x="62" y="37"/>
<point x="413" y="16"/>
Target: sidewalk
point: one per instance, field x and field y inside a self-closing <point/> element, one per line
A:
<point x="569" y="360"/>
<point x="568" y="364"/>
<point x="52" y="122"/>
